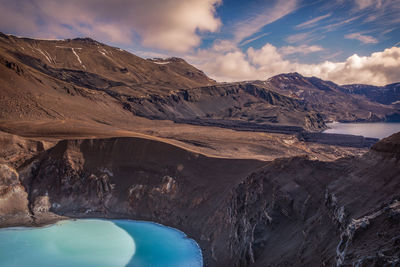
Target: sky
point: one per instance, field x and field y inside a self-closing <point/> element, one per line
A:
<point x="345" y="41"/>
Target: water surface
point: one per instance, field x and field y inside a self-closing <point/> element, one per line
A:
<point x="93" y="242"/>
<point x="374" y="129"/>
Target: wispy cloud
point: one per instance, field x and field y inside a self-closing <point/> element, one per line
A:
<point x="253" y="39"/>
<point x="265" y="16"/>
<point x="334" y="26"/>
<point x="366" y="39"/>
<point x="305" y="37"/>
<point x="302" y="49"/>
<point x="312" y="22"/>
<point x="332" y="56"/>
<point x="299" y="37"/>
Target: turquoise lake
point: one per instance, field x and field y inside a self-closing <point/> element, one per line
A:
<point x="101" y="243"/>
<point x="374" y="129"/>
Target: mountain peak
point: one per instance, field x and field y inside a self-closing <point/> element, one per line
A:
<point x="85" y="40"/>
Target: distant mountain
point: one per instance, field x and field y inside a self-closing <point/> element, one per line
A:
<point x="334" y="102"/>
<point x="388" y="94"/>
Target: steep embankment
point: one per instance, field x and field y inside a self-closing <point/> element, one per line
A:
<point x="124" y="177"/>
<point x="291" y="211"/>
<point x="301" y="212"/>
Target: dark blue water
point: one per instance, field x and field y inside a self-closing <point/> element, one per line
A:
<point x="99" y="243"/>
<point x="375" y="129"/>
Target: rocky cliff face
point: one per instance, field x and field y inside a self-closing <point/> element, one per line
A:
<point x="291" y="211"/>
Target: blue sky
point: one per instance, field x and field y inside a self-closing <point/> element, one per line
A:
<point x="338" y="27"/>
<point x="346" y="41"/>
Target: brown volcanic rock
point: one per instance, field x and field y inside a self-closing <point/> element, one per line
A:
<point x="133" y="178"/>
<point x="310" y="213"/>
<point x="84" y="79"/>
<point x="13" y="196"/>
<point x="291" y="211"/>
<point x="390" y="145"/>
<point x="87" y="80"/>
<point x="229" y="105"/>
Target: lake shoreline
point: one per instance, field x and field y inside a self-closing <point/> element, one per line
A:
<point x="378" y="130"/>
<point x="164" y="240"/>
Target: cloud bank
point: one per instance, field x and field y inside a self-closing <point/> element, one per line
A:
<point x="172" y="25"/>
<point x="379" y="68"/>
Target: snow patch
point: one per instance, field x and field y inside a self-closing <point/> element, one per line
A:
<point x="48" y="59"/>
<point x="79" y="59"/>
<point x="161" y="63"/>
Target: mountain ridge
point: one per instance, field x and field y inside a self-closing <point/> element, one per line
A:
<point x="172" y="89"/>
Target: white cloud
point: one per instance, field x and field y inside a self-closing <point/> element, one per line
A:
<point x="172" y="25"/>
<point x="379" y="68"/>
<point x="361" y="4"/>
<point x="312" y="22"/>
<point x="366" y="39"/>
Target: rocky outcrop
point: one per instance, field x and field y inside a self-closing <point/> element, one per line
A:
<point x="13" y="196"/>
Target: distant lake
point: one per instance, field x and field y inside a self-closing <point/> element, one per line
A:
<point x="374" y="129"/>
<point x="100" y="243"/>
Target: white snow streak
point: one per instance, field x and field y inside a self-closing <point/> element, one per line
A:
<point x="48" y="59"/>
<point x="161" y="63"/>
<point x="79" y="59"/>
